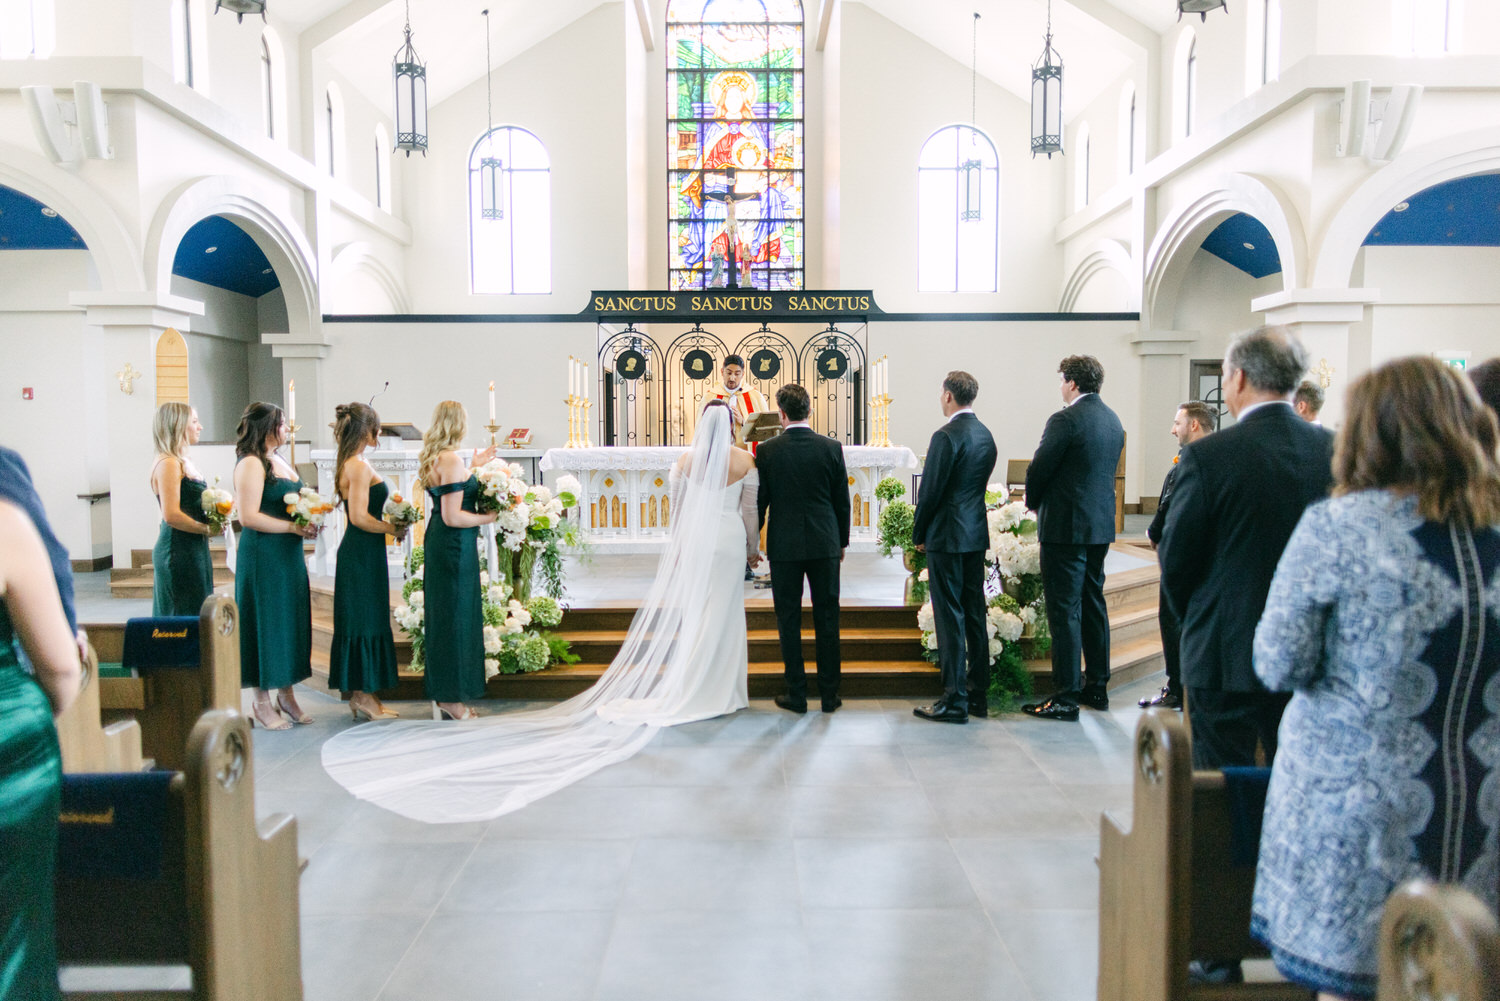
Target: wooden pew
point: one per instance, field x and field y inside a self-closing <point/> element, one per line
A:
<point x="1438" y="942"/>
<point x="87" y="744"/>
<point x="166" y="702"/>
<point x="1168" y="892"/>
<point x="222" y="896"/>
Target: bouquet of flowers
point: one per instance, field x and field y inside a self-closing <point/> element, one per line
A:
<point x="500" y="485"/>
<point x="307" y="507"/>
<point x="400" y="512"/>
<point x="217" y="506"/>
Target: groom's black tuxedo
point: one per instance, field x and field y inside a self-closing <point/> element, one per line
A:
<point x="804" y="485"/>
<point x="952" y="524"/>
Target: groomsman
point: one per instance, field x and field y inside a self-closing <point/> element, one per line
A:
<point x="1070" y="484"/>
<point x="805" y="487"/>
<point x="952" y="529"/>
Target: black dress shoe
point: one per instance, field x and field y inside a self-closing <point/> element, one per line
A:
<point x="1095" y="697"/>
<point x="829" y="705"/>
<point x="940" y="712"/>
<point x="785" y="702"/>
<point x="1215" y="971"/>
<point x="1166" y="698"/>
<point x="1052" y="709"/>
<point x="979" y="709"/>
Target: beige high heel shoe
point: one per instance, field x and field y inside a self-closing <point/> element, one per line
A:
<point x="255" y="718"/>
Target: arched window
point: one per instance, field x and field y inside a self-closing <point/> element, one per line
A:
<point x="1081" y="167"/>
<point x="1425" y="27"/>
<point x="734" y="126"/>
<point x="28" y="29"/>
<point x="510" y="213"/>
<point x="1187" y="47"/>
<point x="333" y="129"/>
<point x="1127" y="130"/>
<point x="382" y="168"/>
<point x="1262" y="43"/>
<point x="182" y="41"/>
<point x="958" y="212"/>
<point x="267" y="89"/>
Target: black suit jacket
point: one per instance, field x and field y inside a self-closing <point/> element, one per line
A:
<point x="950" y="503"/>
<point x="806" y="487"/>
<point x="1164" y="501"/>
<point x="16" y="487"/>
<point x="1239" y="493"/>
<point x="1070" y="483"/>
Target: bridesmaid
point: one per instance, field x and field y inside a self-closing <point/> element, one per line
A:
<point x="362" y="660"/>
<point x="183" y="571"/>
<point x="270" y="581"/>
<point x="31" y="612"/>
<point x="455" y="623"/>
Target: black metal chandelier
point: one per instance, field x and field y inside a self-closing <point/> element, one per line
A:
<point x="242" y="7"/>
<point x="1046" y="98"/>
<point x="411" y="95"/>
<point x="1200" y="7"/>
<point x="491" y="169"/>
<point x="971" y="169"/>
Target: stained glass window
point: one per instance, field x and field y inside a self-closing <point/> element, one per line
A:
<point x="510" y="245"/>
<point x="958" y="211"/>
<point x="734" y="144"/>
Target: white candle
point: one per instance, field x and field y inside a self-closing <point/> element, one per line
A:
<point x="492" y="401"/>
<point x="291" y="402"/>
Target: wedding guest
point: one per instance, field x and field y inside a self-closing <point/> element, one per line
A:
<point x="1376" y="622"/>
<point x="16" y="487"/>
<point x="362" y="659"/>
<point x="270" y="578"/>
<point x="180" y="563"/>
<point x="31" y="618"/>
<point x="454" y="611"/>
<point x="1486" y="379"/>
<point x="1308" y="401"/>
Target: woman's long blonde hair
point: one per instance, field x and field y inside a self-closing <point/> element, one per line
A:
<point x="449" y="425"/>
<point x="170" y="428"/>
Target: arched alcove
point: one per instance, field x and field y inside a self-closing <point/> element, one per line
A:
<point x="171" y="368"/>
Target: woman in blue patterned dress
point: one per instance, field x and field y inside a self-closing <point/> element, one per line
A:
<point x="1384" y="620"/>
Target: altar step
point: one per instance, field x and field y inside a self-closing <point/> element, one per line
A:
<point x="137" y="580"/>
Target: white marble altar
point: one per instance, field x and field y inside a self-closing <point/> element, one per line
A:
<point x="626" y="505"/>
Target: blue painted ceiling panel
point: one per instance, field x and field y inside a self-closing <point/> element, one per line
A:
<point x="234" y="262"/>
<point x="1464" y="212"/>
<point x="27" y="224"/>
<point x="1241" y="240"/>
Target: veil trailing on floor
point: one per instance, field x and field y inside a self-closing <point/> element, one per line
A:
<point x="481" y="769"/>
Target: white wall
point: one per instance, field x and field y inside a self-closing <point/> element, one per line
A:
<point x="1434" y="299"/>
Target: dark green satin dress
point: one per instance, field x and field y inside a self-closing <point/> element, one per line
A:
<point x="363" y="655"/>
<point x="270" y="584"/>
<point x="30" y="794"/>
<point x="183" y="571"/>
<point x="454" y="628"/>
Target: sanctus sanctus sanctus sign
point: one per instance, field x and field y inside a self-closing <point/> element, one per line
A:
<point x="776" y="305"/>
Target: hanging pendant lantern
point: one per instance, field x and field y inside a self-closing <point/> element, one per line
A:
<point x="1046" y="98"/>
<point x="411" y="96"/>
<point x="1200" y="7"/>
<point x="491" y="188"/>
<point x="242" y="7"/>
<point x="972" y="173"/>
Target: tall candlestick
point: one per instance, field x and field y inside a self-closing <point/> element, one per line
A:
<point x="492" y="401"/>
<point x="291" y="402"/>
<point x="572" y="377"/>
<point x="586" y="381"/>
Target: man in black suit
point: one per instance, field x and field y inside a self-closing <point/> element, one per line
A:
<point x="1194" y="420"/>
<point x="1239" y="493"/>
<point x="806" y="487"/>
<point x="951" y="527"/>
<point x="1070" y="484"/>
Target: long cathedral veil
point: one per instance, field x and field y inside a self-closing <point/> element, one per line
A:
<point x="481" y="769"/>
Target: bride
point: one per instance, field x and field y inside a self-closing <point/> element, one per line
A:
<point x="684" y="659"/>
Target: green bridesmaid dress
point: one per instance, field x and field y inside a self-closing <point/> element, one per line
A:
<point x="455" y="615"/>
<point x="363" y="656"/>
<point x="183" y="570"/>
<point x="270" y="584"/>
<point x="30" y="794"/>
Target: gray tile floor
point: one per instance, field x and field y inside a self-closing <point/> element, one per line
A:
<point x="865" y="855"/>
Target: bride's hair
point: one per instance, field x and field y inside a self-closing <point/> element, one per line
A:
<point x="449" y="425"/>
<point x="718" y="403"/>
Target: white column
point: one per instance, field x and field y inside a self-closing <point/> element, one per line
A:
<point x="1164" y="379"/>
<point x="1330" y="324"/>
<point x="301" y="362"/>
<point x="131" y="323"/>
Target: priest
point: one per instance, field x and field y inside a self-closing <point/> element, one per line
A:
<point x="743" y="401"/>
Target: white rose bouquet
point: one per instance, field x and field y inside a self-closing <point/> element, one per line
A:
<point x="307" y="507"/>
<point x="400" y="512"/>
<point x="218" y="507"/>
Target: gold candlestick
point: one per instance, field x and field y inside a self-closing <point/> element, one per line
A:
<point x="588" y="424"/>
<point x="292" y="429"/>
<point x="572" y="402"/>
<point x="493" y="429"/>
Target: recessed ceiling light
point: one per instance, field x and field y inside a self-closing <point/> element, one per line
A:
<point x="209" y="250"/>
<point x="49" y="212"/>
<point x="265" y="271"/>
<point x="1402" y="206"/>
<point x="1248" y="246"/>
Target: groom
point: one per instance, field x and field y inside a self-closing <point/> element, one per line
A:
<point x="804" y="484"/>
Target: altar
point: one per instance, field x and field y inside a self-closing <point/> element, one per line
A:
<point x="626" y="504"/>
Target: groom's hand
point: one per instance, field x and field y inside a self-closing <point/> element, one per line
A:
<point x="841" y="554"/>
<point x="920" y="547"/>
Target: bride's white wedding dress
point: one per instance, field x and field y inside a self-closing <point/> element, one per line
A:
<point x="684" y="659"/>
